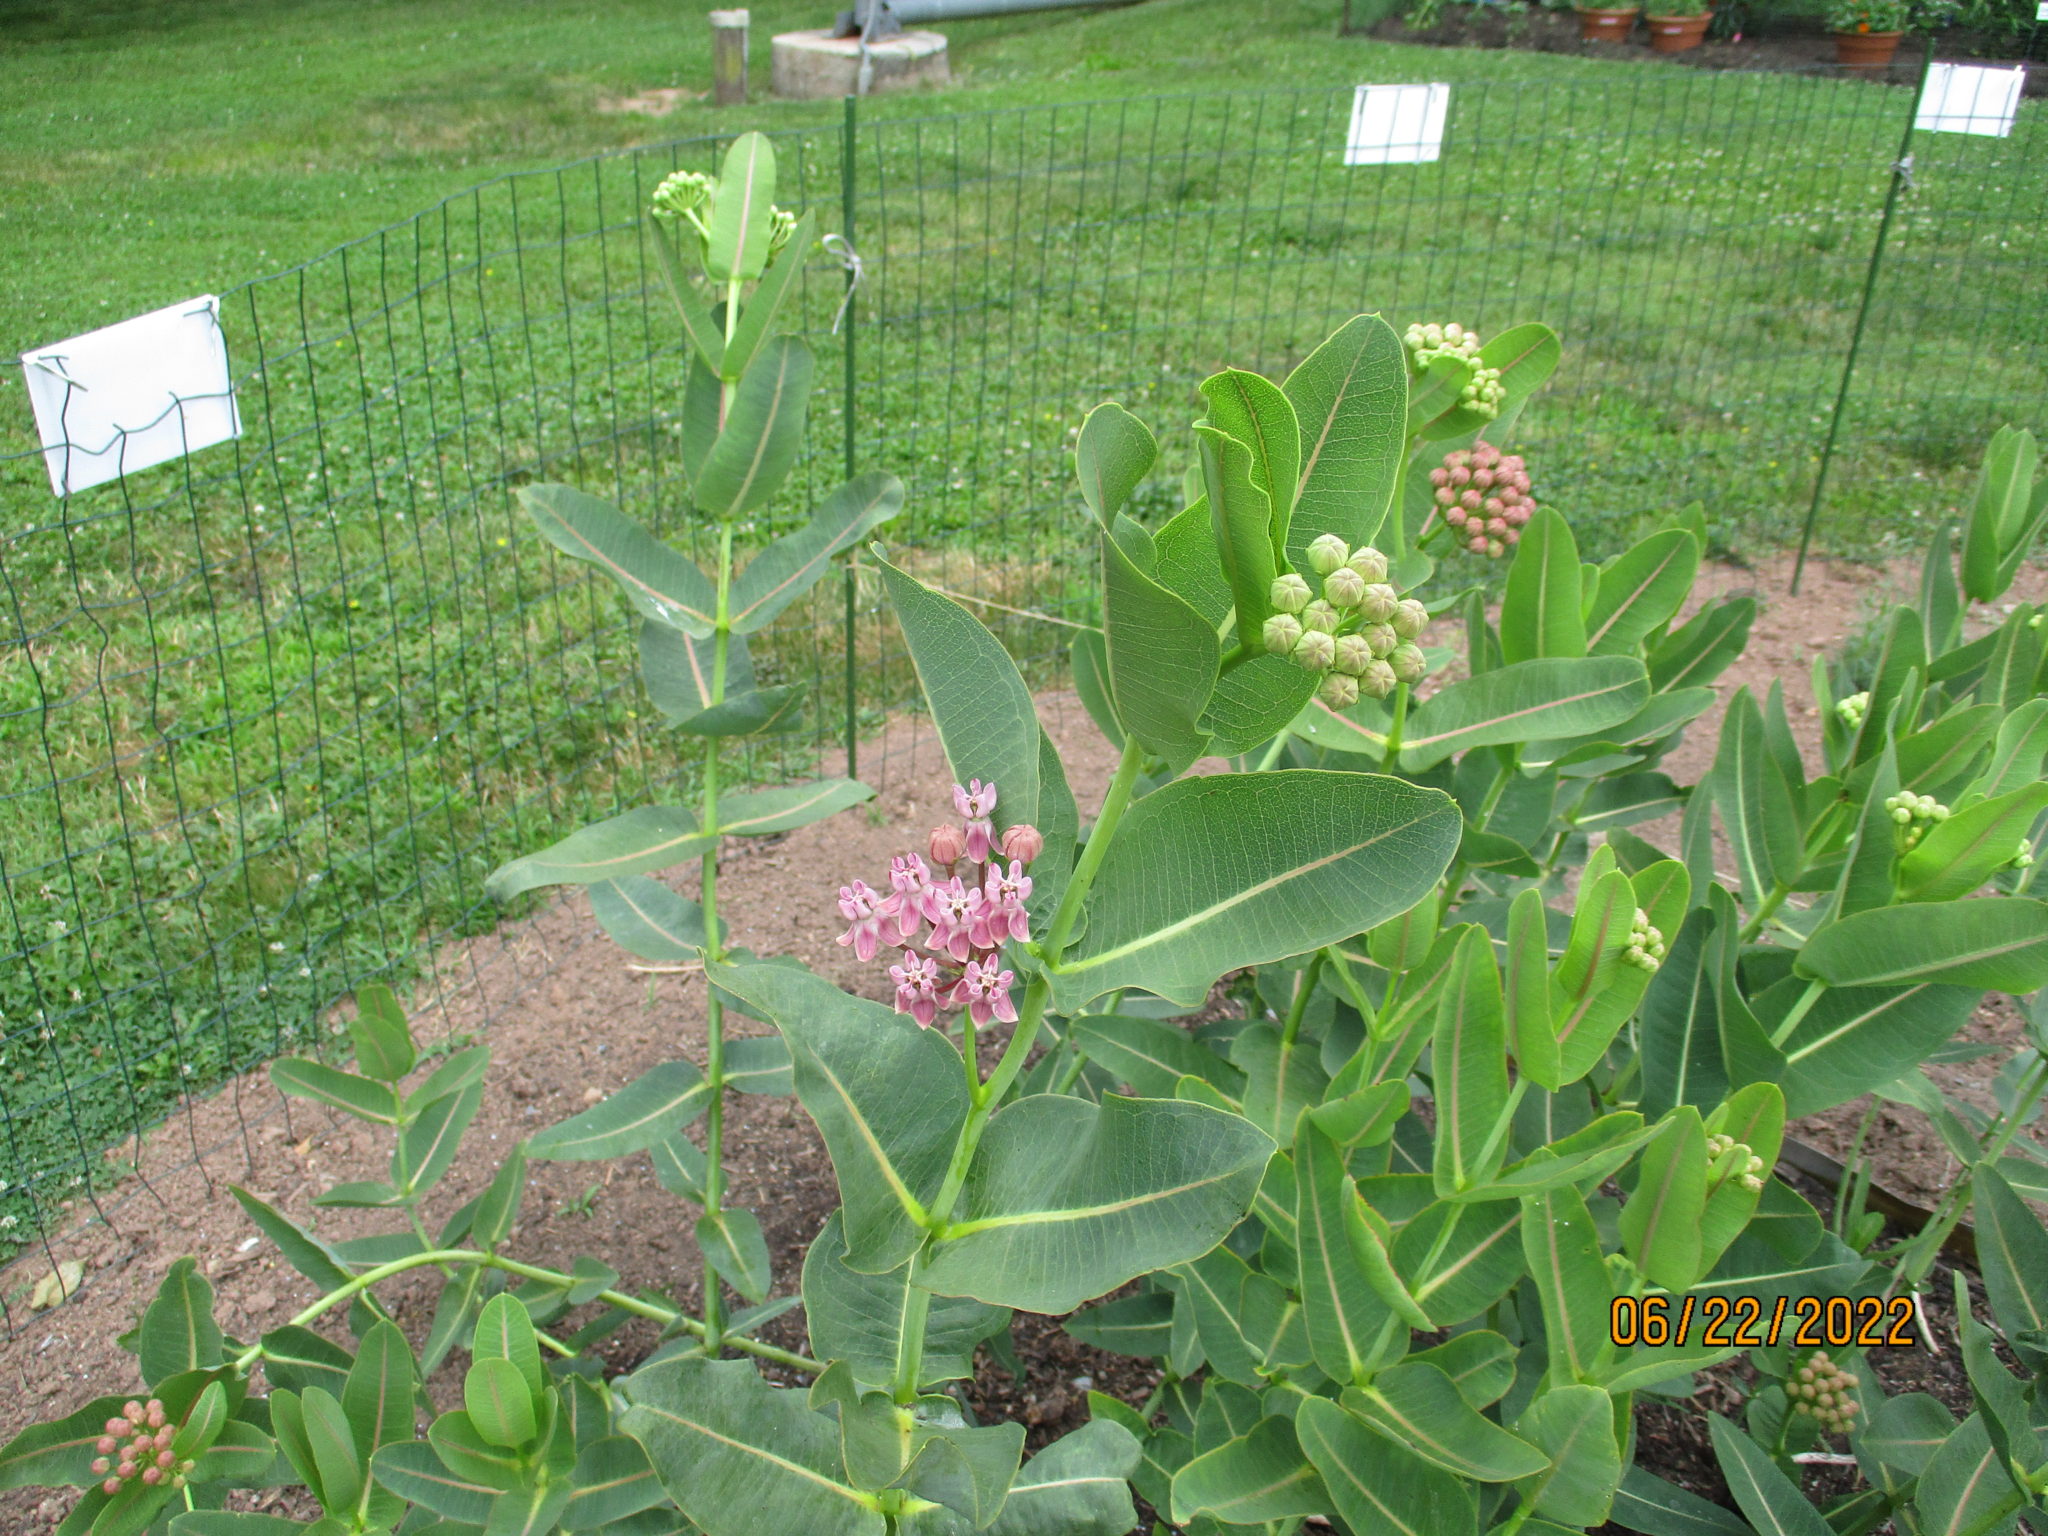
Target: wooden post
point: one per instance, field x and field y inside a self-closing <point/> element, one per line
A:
<point x="729" y="58"/>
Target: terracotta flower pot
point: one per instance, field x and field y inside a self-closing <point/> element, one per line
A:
<point x="1675" y="34"/>
<point x="1604" y="24"/>
<point x="1867" y="53"/>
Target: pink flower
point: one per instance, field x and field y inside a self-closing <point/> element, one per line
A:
<point x="863" y="908"/>
<point x="1023" y="841"/>
<point x="910" y="894"/>
<point x="956" y="910"/>
<point x="975" y="803"/>
<point x="1002" y="909"/>
<point x="986" y="992"/>
<point x="947" y="845"/>
<point x="917" y="992"/>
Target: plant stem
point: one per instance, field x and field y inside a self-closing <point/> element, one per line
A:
<point x="1506" y="1122"/>
<point x="668" y="1317"/>
<point x="983" y="1097"/>
<point x="1771" y="902"/>
<point x="1856" y="1170"/>
<point x="1273" y="753"/>
<point x="1393" y="754"/>
<point x="1800" y="1010"/>
<point x="714" y="1009"/>
<point x="1919" y="1256"/>
<point x="1304" y="989"/>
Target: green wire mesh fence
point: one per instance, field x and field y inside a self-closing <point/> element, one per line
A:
<point x="268" y="715"/>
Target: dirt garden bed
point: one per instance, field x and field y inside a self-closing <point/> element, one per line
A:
<point x="1779" y="45"/>
<point x="570" y="1018"/>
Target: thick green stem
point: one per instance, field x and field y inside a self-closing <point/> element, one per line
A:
<point x="1771" y="902"/>
<point x="668" y="1317"/>
<point x="1800" y="1009"/>
<point x="1920" y="1253"/>
<point x="1506" y="1122"/>
<point x="1273" y="752"/>
<point x="1303" y="991"/>
<point x="1393" y="753"/>
<point x="984" y="1096"/>
<point x="714" y="1010"/>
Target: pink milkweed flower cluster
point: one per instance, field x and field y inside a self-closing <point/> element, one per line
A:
<point x="1484" y="495"/>
<point x="961" y="918"/>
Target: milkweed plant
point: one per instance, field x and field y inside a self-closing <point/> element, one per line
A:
<point x="1486" y="1145"/>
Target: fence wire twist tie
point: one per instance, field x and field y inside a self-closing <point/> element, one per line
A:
<point x="1903" y="169"/>
<point x="841" y="249"/>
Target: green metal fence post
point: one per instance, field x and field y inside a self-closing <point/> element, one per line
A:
<point x="1902" y="176"/>
<point x="846" y="199"/>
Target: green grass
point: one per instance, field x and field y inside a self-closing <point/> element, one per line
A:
<point x="281" y="708"/>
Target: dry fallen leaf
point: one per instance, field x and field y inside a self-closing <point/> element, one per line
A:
<point x="58" y="1284"/>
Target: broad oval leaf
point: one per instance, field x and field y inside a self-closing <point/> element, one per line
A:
<point x="1210" y="874"/>
<point x="1256" y="412"/>
<point x="648" y="1110"/>
<point x="1546" y="698"/>
<point x="637" y="842"/>
<point x="758" y="812"/>
<point x="412" y="1470"/>
<point x="1162" y="658"/>
<point x="786" y="569"/>
<point x="1350" y="402"/>
<point x="1772" y="1501"/>
<point x="736" y="246"/>
<point x="1376" y="1484"/>
<point x="980" y="706"/>
<point x="362" y="1097"/>
<point x="888" y="1097"/>
<point x="1999" y="943"/>
<point x="1241" y="523"/>
<point x="612" y="1479"/>
<point x="1077" y="1486"/>
<point x="1641" y="589"/>
<point x="1114" y="453"/>
<point x="859" y="1318"/>
<point x="648" y="919"/>
<point x="1540" y="609"/>
<point x="1417" y="1405"/>
<point x="663" y="583"/>
<point x="178" y="1330"/>
<point x="741" y="1457"/>
<point x="1856" y="1039"/>
<point x="732" y="1243"/>
<point x="1250" y="1480"/>
<point x="1066" y="1200"/>
<point x="783" y="273"/>
<point x="764" y="429"/>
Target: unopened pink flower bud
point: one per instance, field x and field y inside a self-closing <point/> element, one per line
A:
<point x="152" y="1475"/>
<point x="111" y="1486"/>
<point x="947" y="844"/>
<point x="133" y="1412"/>
<point x="1439" y="476"/>
<point x="1486" y="454"/>
<point x="1512" y="537"/>
<point x="101" y="1466"/>
<point x="106" y="1445"/>
<point x="1470" y="501"/>
<point x="1512" y="463"/>
<point x="1478" y="545"/>
<point x="1455" y="516"/>
<point x="1447" y="497"/>
<point x="1483" y="478"/>
<point x="1496" y="525"/>
<point x="1023" y="841"/>
<point x="1494" y="506"/>
<point x="165" y="1459"/>
<point x="1460" y="475"/>
<point x="1495" y="548"/>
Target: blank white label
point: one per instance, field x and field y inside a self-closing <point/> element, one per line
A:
<point x="1397" y="124"/>
<point x="1967" y="98"/>
<point x="136" y="394"/>
<point x="2041" y="11"/>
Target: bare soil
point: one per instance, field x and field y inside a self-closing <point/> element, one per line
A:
<point x="1787" y="44"/>
<point x="569" y="1018"/>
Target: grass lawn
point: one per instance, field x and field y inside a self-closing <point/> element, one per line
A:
<point x="266" y="720"/>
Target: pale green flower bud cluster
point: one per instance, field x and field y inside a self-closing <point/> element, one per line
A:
<point x="1913" y="815"/>
<point x="1824" y="1392"/>
<point x="1359" y="633"/>
<point x="1850" y="711"/>
<point x="691" y="197"/>
<point x="1645" y="944"/>
<point x="2036" y="621"/>
<point x="1745" y="1165"/>
<point x="1426" y="343"/>
<point x="2024" y="859"/>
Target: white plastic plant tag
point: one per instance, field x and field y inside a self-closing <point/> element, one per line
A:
<point x="1397" y="124"/>
<point x="136" y="394"/>
<point x="2041" y="11"/>
<point x="1967" y="98"/>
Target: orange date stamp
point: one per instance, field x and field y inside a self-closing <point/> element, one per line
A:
<point x="1751" y="1322"/>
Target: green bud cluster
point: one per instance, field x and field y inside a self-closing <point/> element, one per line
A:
<point x="2024" y="858"/>
<point x="1746" y="1167"/>
<point x="1645" y="944"/>
<point x="1359" y="634"/>
<point x="691" y="197"/>
<point x="1823" y="1391"/>
<point x="1913" y="815"/>
<point x="1850" y="711"/>
<point x="1483" y="391"/>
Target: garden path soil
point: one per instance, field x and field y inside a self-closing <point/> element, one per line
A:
<point x="570" y="1018"/>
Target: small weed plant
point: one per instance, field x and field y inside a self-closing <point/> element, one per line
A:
<point x="1486" y="1155"/>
